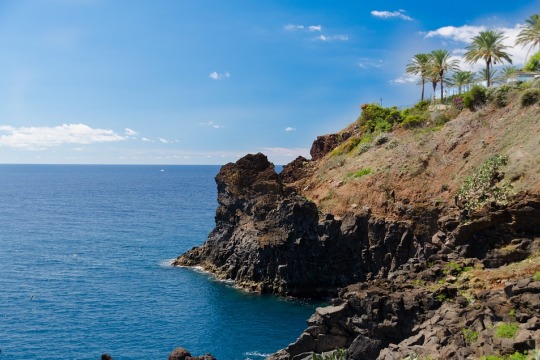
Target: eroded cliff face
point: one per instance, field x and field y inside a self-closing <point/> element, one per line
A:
<point x="268" y="239"/>
<point x="418" y="273"/>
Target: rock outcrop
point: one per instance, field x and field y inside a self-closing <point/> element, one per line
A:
<point x="268" y="239"/>
<point x="326" y="143"/>
<point x="182" y="354"/>
<point x="397" y="318"/>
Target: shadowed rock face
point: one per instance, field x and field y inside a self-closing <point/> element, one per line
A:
<point x="326" y="143"/>
<point x="269" y="240"/>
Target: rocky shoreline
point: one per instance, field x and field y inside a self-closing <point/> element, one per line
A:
<point x="402" y="286"/>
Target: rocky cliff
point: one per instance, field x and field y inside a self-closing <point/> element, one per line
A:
<point x="385" y="226"/>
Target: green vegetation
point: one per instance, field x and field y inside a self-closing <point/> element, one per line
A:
<point x="453" y="268"/>
<point x="534" y="63"/>
<point x="359" y="173"/>
<point x="442" y="63"/>
<point x="475" y="98"/>
<point x="461" y="78"/>
<point x="499" y="95"/>
<point x="536" y="276"/>
<point x="483" y="187"/>
<point x="515" y="356"/>
<point x="375" y="118"/>
<point x="469" y="335"/>
<point x="512" y="313"/>
<point x="506" y="330"/>
<point x="530" y="97"/>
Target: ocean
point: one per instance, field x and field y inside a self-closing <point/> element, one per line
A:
<point x="85" y="255"/>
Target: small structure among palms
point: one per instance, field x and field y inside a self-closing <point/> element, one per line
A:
<point x="488" y="46"/>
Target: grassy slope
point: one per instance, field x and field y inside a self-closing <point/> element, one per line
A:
<point x="427" y="166"/>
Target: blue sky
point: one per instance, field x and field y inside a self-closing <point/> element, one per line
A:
<point x="207" y="81"/>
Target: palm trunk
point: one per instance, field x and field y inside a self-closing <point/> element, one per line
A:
<point x="488" y="75"/>
<point x="441" y="74"/>
<point x="423" y="83"/>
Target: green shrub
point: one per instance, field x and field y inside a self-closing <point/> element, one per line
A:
<point x="506" y="330"/>
<point x="338" y="354"/>
<point x="412" y="121"/>
<point x="534" y="63"/>
<point x="530" y="97"/>
<point x="536" y="276"/>
<point x="498" y="95"/>
<point x="517" y="356"/>
<point x="376" y="118"/>
<point x="484" y="187"/>
<point x="475" y="98"/>
<point x="469" y="335"/>
<point x="536" y="83"/>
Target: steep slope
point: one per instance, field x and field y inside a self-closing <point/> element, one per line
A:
<point x="432" y="234"/>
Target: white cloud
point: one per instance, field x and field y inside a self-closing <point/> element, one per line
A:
<point x="219" y="76"/>
<point x="285" y="153"/>
<point x="366" y="63"/>
<point x="145" y="139"/>
<point x="391" y="14"/>
<point x="288" y="129"/>
<point x="406" y="79"/>
<point x="332" y="38"/>
<point x="464" y="34"/>
<point x="164" y="141"/>
<point x="292" y="27"/>
<point x="39" y="138"/>
<point x="213" y="125"/>
<point x="315" y="28"/>
<point x="130" y="132"/>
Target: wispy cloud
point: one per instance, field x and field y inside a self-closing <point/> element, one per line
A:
<point x="293" y="27"/>
<point x="405" y="79"/>
<point x="289" y="129"/>
<point x="285" y="153"/>
<point x="367" y="63"/>
<point x="40" y="138"/>
<point x="212" y="125"/>
<point x="326" y="38"/>
<point x="164" y="141"/>
<point x="400" y="14"/>
<point x="219" y="76"/>
<point x="130" y="132"/>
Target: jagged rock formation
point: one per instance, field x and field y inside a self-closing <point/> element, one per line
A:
<point x="421" y="276"/>
<point x="326" y="143"/>
<point x="270" y="240"/>
<point x="182" y="354"/>
<point x="390" y="319"/>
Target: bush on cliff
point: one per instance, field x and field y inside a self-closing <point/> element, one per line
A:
<point x="484" y="186"/>
<point x="530" y="97"/>
<point x="475" y="98"/>
<point x="375" y="118"/>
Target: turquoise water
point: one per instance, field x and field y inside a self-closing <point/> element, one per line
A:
<point x="84" y="268"/>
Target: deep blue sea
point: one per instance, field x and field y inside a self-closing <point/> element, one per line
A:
<point x="84" y="268"/>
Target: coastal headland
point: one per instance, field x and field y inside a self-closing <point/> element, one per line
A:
<point x="427" y="239"/>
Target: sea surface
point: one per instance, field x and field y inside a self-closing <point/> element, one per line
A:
<point x="85" y="268"/>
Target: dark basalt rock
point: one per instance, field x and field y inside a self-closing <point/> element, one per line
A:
<point x="182" y="354"/>
<point x="269" y="240"/>
<point x="295" y="170"/>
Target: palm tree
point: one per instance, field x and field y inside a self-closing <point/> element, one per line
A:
<point x="441" y="63"/>
<point x="419" y="66"/>
<point x="434" y="78"/>
<point x="488" y="46"/>
<point x="460" y="78"/>
<point x="508" y="71"/>
<point x="493" y="75"/>
<point x="530" y="33"/>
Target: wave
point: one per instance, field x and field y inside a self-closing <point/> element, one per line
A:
<point x="167" y="262"/>
<point x="256" y="354"/>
